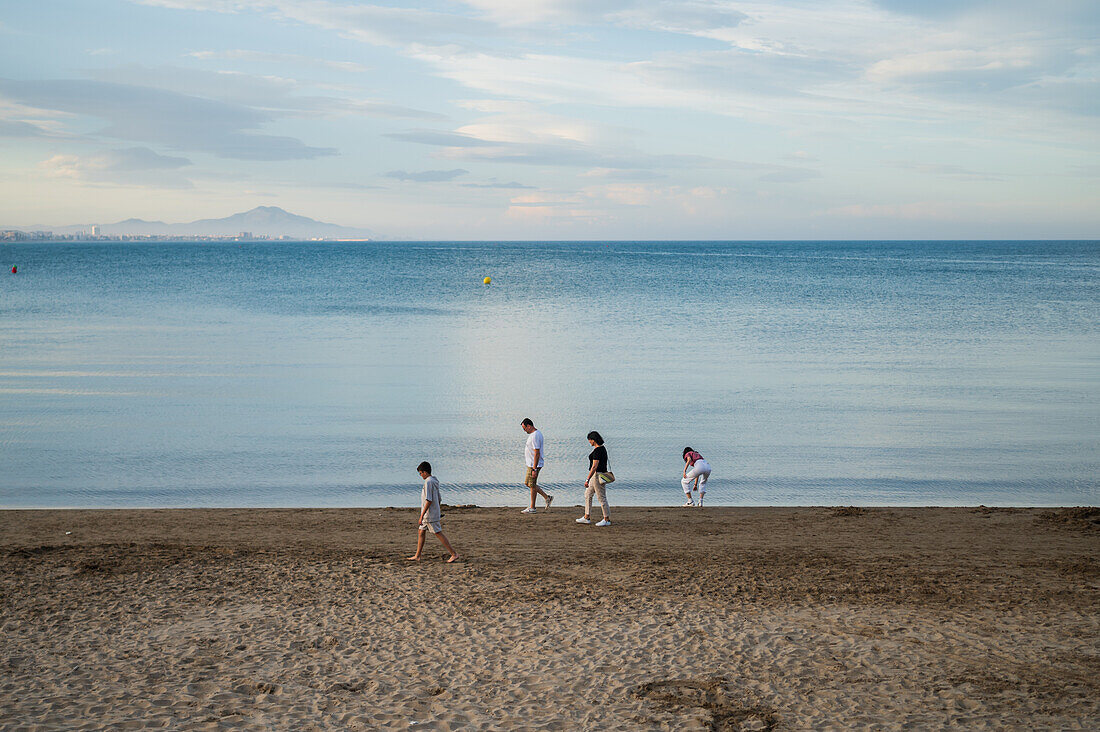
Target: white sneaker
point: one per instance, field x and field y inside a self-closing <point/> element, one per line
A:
<point x="549" y="500"/>
<point x="690" y="502"/>
<point x="700" y="501"/>
<point x="605" y="522"/>
<point x="528" y="510"/>
<point x="583" y="520"/>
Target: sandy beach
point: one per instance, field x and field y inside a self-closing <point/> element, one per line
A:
<point x="677" y="619"/>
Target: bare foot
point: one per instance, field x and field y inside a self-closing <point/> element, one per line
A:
<point x="413" y="558"/>
<point x="454" y="558"/>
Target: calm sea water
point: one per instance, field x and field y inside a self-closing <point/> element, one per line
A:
<point x="320" y="374"/>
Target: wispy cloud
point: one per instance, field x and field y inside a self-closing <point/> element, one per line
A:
<point x="135" y="166"/>
<point x="175" y="120"/>
<point x="678" y="16"/>
<point x="947" y="170"/>
<point x="18" y="128"/>
<point x="511" y="185"/>
<point x="623" y="175"/>
<point x="437" y="137"/>
<point x="290" y="59"/>
<point x="375" y="24"/>
<point x="273" y="95"/>
<point x="427" y="176"/>
<point x="520" y="133"/>
<point x="793" y="175"/>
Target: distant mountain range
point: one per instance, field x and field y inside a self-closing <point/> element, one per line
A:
<point x="269" y="221"/>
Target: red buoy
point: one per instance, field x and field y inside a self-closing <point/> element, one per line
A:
<point x="14" y="269"/>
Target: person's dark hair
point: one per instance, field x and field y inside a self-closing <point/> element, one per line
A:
<point x="687" y="450"/>
<point x="424" y="467"/>
<point x="527" y="422"/>
<point x="595" y="437"/>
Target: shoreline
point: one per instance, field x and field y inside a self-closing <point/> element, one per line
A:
<point x="563" y="504"/>
<point x="673" y="618"/>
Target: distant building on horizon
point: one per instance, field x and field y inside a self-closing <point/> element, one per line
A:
<point x="95" y="230"/>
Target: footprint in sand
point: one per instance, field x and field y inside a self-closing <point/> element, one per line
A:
<point x="713" y="695"/>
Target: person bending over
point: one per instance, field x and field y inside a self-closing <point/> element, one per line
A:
<point x="696" y="475"/>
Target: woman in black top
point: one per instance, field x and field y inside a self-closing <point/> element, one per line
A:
<point x="594" y="483"/>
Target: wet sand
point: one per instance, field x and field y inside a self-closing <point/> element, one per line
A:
<point x="673" y="618"/>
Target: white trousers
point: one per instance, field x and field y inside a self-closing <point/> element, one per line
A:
<point x="700" y="470"/>
<point x="595" y="486"/>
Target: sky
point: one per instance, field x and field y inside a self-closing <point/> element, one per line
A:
<point x="559" y="119"/>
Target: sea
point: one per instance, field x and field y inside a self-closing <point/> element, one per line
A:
<point x="316" y="374"/>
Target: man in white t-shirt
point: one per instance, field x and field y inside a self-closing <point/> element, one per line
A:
<point x="533" y="456"/>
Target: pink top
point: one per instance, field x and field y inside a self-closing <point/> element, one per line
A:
<point x="692" y="456"/>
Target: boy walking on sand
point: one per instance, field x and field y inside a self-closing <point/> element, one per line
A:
<point x="431" y="516"/>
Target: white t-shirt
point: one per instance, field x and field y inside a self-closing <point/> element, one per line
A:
<point x="431" y="494"/>
<point x="534" y="442"/>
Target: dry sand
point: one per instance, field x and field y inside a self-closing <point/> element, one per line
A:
<point x="679" y="619"/>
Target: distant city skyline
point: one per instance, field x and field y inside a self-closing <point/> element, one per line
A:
<point x="559" y="119"/>
<point x="262" y="222"/>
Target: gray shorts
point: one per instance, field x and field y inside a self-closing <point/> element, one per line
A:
<point x="436" y="527"/>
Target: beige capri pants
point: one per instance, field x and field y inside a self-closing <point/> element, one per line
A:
<point x="595" y="485"/>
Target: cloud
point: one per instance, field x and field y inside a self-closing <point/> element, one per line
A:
<point x="178" y="121"/>
<point x="680" y="17"/>
<point x="374" y="24"/>
<point x="625" y="175"/>
<point x="735" y="83"/>
<point x="1078" y="13"/>
<point x="521" y="133"/>
<point x="427" y="176"/>
<point x="371" y="108"/>
<point x="1086" y="171"/>
<point x="21" y="120"/>
<point x="932" y="8"/>
<point x="990" y="68"/>
<point x="788" y="64"/>
<point x="272" y="93"/>
<point x="677" y="16"/>
<point x="348" y="185"/>
<point x="17" y="128"/>
<point x="524" y="135"/>
<point x="129" y="166"/>
<point x="914" y="211"/>
<point x="792" y="67"/>
<point x="531" y="12"/>
<point x="275" y="95"/>
<point x="292" y="59"/>
<point x="618" y="202"/>
<point x="560" y="152"/>
<point x="436" y="137"/>
<point x="512" y="185"/>
<point x="790" y="175"/>
<point x="1075" y="96"/>
<point x="951" y="171"/>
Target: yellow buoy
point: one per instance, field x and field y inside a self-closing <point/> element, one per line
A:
<point x="488" y="280"/>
